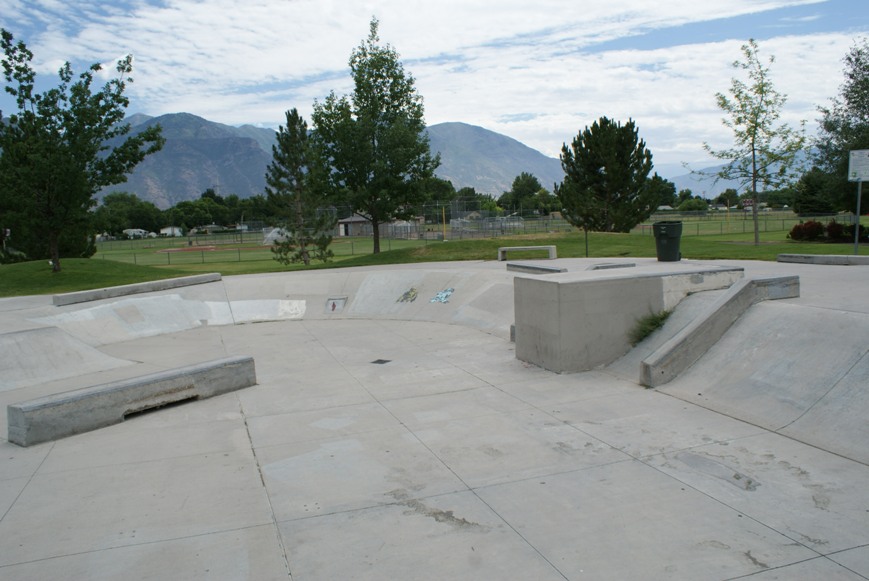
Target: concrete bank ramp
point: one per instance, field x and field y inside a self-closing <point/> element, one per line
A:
<point x="798" y="370"/>
<point x="36" y="356"/>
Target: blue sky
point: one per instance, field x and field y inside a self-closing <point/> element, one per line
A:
<point x="537" y="71"/>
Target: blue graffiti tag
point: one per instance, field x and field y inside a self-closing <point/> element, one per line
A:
<point x="443" y="296"/>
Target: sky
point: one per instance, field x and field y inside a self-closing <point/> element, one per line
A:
<point x="539" y="72"/>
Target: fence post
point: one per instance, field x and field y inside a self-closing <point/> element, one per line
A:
<point x="134" y="258"/>
<point x="202" y="253"/>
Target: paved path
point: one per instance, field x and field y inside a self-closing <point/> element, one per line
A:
<point x="391" y="444"/>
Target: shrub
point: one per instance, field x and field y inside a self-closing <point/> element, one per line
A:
<point x="849" y="233"/>
<point x="807" y="231"/>
<point x="836" y="232"/>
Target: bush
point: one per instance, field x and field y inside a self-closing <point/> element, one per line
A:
<point x="849" y="233"/>
<point x="836" y="232"/>
<point x="807" y="231"/>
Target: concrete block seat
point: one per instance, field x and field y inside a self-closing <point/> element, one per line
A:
<point x="502" y="251"/>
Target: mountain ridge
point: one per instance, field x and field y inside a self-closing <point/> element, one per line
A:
<point x="200" y="154"/>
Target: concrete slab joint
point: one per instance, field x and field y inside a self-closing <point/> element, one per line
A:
<point x="684" y="349"/>
<point x="65" y="414"/>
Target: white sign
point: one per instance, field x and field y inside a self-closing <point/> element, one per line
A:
<point x="858" y="166"/>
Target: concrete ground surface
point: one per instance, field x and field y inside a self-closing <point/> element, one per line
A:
<point x="394" y="435"/>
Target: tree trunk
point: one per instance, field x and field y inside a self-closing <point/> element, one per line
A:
<point x="375" y="225"/>
<point x="54" y="250"/>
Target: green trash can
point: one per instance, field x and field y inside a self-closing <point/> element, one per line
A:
<point x="668" y="234"/>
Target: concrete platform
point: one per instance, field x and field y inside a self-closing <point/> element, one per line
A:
<point x="394" y="439"/>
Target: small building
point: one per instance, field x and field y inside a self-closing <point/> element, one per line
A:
<point x="355" y="225"/>
<point x="171" y="231"/>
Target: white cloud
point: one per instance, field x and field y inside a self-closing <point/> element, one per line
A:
<point x="534" y="71"/>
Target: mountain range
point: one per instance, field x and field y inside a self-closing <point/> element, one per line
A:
<point x="200" y="154"/>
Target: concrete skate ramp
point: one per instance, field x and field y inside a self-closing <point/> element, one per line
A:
<point x="797" y="370"/>
<point x="40" y="355"/>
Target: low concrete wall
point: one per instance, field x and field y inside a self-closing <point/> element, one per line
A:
<point x="833" y="259"/>
<point x="65" y="414"/>
<point x="578" y="321"/>
<point x="697" y="337"/>
<point x="130" y="289"/>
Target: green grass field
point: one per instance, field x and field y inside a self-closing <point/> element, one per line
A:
<point x="128" y="262"/>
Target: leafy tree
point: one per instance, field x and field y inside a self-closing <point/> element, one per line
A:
<point x="120" y="211"/>
<point x="810" y="193"/>
<point x="845" y="126"/>
<point x="522" y="194"/>
<point x="728" y="197"/>
<point x="696" y="204"/>
<point x="188" y="214"/>
<point x="684" y="195"/>
<point x="469" y="196"/>
<point x="375" y="139"/>
<point x="663" y="190"/>
<point x="53" y="153"/>
<point x="606" y="186"/>
<point x="292" y="190"/>
<point x="764" y="152"/>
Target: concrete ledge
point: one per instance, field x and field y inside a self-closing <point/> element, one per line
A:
<point x="680" y="352"/>
<point x="130" y="289"/>
<point x="833" y="259"/>
<point x="65" y="414"/>
<point x="534" y="268"/>
<point x="502" y="252"/>
<point x="611" y="265"/>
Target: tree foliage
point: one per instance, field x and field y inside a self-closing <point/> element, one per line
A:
<point x="120" y="211"/>
<point x="764" y="151"/>
<point x="606" y="186"/>
<point x="296" y="197"/>
<point x="844" y="126"/>
<point x="375" y="139"/>
<point x="54" y="155"/>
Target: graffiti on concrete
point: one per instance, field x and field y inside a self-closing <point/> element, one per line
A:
<point x="409" y="296"/>
<point x="443" y="296"/>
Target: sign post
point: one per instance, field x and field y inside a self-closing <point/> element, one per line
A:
<point x="858" y="171"/>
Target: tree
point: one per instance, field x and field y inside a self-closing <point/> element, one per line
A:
<point x="663" y="190"/>
<point x="764" y="152"/>
<point x="696" y="204"/>
<point x="810" y="193"/>
<point x="684" y="195"/>
<point x="120" y="211"/>
<point x="606" y="186"/>
<point x="375" y="139"/>
<point x="728" y="197"/>
<point x="54" y="155"/>
<point x="293" y="192"/>
<point x="844" y="126"/>
<point x="522" y="195"/>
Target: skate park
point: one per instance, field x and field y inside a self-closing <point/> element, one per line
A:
<point x="422" y="422"/>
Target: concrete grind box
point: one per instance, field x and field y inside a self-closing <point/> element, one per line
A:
<point x="573" y="322"/>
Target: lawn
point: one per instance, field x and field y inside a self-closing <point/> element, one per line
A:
<point x="137" y="261"/>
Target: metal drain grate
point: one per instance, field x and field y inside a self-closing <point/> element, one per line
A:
<point x="381" y="361"/>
